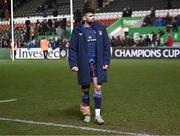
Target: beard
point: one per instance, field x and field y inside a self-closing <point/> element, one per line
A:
<point x="90" y="22"/>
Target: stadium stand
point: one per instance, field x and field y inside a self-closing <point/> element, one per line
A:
<point x="37" y="7"/>
<point x="118" y="5"/>
<point x="111" y="11"/>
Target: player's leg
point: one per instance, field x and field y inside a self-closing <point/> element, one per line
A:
<point x="97" y="101"/>
<point x="84" y="107"/>
<point x="85" y="95"/>
<point x="14" y="54"/>
<point x="46" y="53"/>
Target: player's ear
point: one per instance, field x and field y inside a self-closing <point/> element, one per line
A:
<point x="83" y="18"/>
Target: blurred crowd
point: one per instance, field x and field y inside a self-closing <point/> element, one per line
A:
<point x="171" y="22"/>
<point x="5" y="7"/>
<point x="28" y="35"/>
<point x="151" y="40"/>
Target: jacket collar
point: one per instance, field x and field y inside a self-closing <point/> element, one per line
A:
<point x="94" y="26"/>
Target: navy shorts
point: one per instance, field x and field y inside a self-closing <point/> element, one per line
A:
<point x="93" y="70"/>
<point x="93" y="73"/>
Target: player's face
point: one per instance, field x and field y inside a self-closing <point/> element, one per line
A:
<point x="89" y="18"/>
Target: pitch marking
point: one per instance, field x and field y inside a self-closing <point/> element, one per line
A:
<point x="5" y="101"/>
<point x="71" y="126"/>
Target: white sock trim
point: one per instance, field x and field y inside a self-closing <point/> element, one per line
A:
<point x="97" y="112"/>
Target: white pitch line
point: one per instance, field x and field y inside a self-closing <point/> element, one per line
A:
<point x="71" y="126"/>
<point x="5" y="101"/>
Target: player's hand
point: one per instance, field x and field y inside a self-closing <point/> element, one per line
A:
<point x="105" y="67"/>
<point x="74" y="69"/>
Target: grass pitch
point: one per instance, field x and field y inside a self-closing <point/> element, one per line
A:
<point x="141" y="96"/>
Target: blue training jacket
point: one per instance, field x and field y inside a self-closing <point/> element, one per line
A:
<point x="78" y="53"/>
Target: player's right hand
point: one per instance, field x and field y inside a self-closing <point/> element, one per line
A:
<point x="74" y="69"/>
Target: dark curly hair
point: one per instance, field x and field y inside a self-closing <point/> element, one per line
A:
<point x="88" y="10"/>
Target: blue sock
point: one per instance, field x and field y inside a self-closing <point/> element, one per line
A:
<point x="85" y="99"/>
<point x="97" y="99"/>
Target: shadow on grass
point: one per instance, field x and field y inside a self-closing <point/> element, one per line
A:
<point x="70" y="113"/>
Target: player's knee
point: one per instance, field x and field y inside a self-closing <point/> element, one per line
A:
<point x="85" y="89"/>
<point x="97" y="88"/>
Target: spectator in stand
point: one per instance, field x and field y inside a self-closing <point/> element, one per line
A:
<point x="77" y="17"/>
<point x="6" y="9"/>
<point x="159" y="22"/>
<point x="129" y="11"/>
<point x="175" y="24"/>
<point x="53" y="43"/>
<point x="27" y="22"/>
<point x="59" y="30"/>
<point x="167" y="19"/>
<point x="32" y="43"/>
<point x="63" y="23"/>
<point x="113" y="41"/>
<point x="130" y="42"/>
<point x="44" y="44"/>
<point x="167" y="22"/>
<point x="27" y="33"/>
<point x="56" y="23"/>
<point x="126" y="42"/>
<point x="153" y="13"/>
<point x="154" y="38"/>
<point x="178" y="20"/>
<point x="32" y="31"/>
<point x="123" y="41"/>
<point x="55" y="12"/>
<point x="147" y="21"/>
<point x="1" y="12"/>
<point x="169" y="42"/>
<point x="6" y="14"/>
<point x="39" y="28"/>
<point x="147" y="41"/>
<point x="125" y="13"/>
<point x="44" y="27"/>
<point x="5" y="43"/>
<point x="40" y="8"/>
<point x="158" y="39"/>
<point x="50" y="25"/>
<point x="161" y="33"/>
<point x="45" y="13"/>
<point x="100" y="3"/>
<point x="64" y="44"/>
<point x="119" y="42"/>
<point x="21" y="39"/>
<point x="141" y="42"/>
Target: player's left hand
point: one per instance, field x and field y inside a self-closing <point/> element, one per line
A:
<point x="105" y="67"/>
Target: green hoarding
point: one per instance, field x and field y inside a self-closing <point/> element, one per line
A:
<point x="123" y="22"/>
<point x="130" y="21"/>
<point x="136" y="32"/>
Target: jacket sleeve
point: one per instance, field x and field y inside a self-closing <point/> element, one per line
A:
<point x="106" y="48"/>
<point x="73" y="50"/>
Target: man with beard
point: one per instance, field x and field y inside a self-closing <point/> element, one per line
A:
<point x="89" y="56"/>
